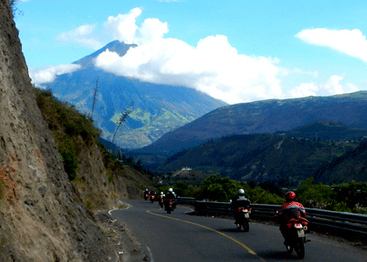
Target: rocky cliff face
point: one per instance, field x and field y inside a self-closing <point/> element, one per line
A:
<point x="41" y="216"/>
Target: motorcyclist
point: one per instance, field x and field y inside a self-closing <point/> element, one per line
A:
<point x="290" y="209"/>
<point x="146" y="193"/>
<point x="240" y="201"/>
<point x="171" y="195"/>
<point x="152" y="195"/>
<point x="161" y="199"/>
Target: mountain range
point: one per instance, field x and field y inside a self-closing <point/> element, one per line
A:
<point x="277" y="158"/>
<point x="269" y="116"/>
<point x="154" y="108"/>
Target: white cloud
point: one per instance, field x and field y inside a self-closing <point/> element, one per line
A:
<point x="49" y="74"/>
<point x="333" y="86"/>
<point x="82" y="34"/>
<point x="304" y="89"/>
<point x="213" y="66"/>
<point x="351" y="42"/>
<point x="123" y="26"/>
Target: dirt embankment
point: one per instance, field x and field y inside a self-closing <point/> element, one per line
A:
<point x="42" y="214"/>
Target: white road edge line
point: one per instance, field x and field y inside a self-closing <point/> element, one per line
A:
<point x="150" y="254"/>
<point x="110" y="211"/>
<point x="114" y="209"/>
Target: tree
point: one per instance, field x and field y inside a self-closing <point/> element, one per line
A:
<point x="315" y="195"/>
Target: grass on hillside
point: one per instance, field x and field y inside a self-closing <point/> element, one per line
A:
<point x="69" y="127"/>
<point x="73" y="131"/>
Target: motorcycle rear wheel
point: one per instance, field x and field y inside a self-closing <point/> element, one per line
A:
<point x="246" y="227"/>
<point x="289" y="249"/>
<point x="300" y="248"/>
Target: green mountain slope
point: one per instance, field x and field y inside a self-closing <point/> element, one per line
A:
<point x="278" y="159"/>
<point x="350" y="166"/>
<point x="265" y="117"/>
<point x="327" y="130"/>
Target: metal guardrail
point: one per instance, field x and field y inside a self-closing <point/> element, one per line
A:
<point x="186" y="200"/>
<point x="340" y="223"/>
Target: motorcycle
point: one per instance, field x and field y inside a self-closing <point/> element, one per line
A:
<point x="295" y="235"/>
<point x="169" y="205"/>
<point x="243" y="217"/>
<point x="161" y="201"/>
<point x="146" y="195"/>
<point x="152" y="197"/>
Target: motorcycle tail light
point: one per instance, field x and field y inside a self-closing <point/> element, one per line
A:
<point x="298" y="225"/>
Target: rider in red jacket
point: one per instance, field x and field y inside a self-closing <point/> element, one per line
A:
<point x="291" y="203"/>
<point x="290" y="209"/>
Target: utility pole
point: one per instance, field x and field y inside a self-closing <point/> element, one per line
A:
<point x="121" y="119"/>
<point x="94" y="98"/>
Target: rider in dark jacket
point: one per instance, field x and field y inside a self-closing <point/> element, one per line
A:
<point x="171" y="195"/>
<point x="240" y="201"/>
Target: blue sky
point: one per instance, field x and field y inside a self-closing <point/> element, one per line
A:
<point x="263" y="49"/>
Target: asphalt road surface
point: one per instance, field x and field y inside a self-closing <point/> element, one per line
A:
<point x="180" y="237"/>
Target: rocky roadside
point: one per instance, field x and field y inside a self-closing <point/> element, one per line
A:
<point x="125" y="246"/>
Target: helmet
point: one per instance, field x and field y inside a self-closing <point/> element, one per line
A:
<point x="170" y="189"/>
<point x="241" y="191"/>
<point x="162" y="193"/>
<point x="290" y="195"/>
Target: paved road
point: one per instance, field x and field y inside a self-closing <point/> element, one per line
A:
<point x="181" y="237"/>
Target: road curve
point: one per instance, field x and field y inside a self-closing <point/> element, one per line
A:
<point x="181" y="237"/>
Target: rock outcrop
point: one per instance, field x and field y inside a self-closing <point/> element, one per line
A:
<point x="42" y="218"/>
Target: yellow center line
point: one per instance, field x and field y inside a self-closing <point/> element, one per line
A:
<point x="242" y="245"/>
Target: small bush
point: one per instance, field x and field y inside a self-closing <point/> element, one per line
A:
<point x="70" y="163"/>
<point x="2" y="189"/>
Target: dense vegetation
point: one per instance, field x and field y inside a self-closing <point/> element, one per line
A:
<point x="350" y="197"/>
<point x="219" y="188"/>
<point x="327" y="130"/>
<point x="280" y="159"/>
<point x="350" y="166"/>
<point x="347" y="197"/>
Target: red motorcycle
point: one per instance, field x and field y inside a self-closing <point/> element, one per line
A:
<point x="243" y="218"/>
<point x="152" y="197"/>
<point x="169" y="205"/>
<point x="294" y="232"/>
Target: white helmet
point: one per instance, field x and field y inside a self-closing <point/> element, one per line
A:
<point x="241" y="191"/>
<point x="170" y="189"/>
<point x="162" y="193"/>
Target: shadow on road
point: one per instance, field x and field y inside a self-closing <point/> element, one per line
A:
<point x="277" y="255"/>
<point x="231" y="230"/>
